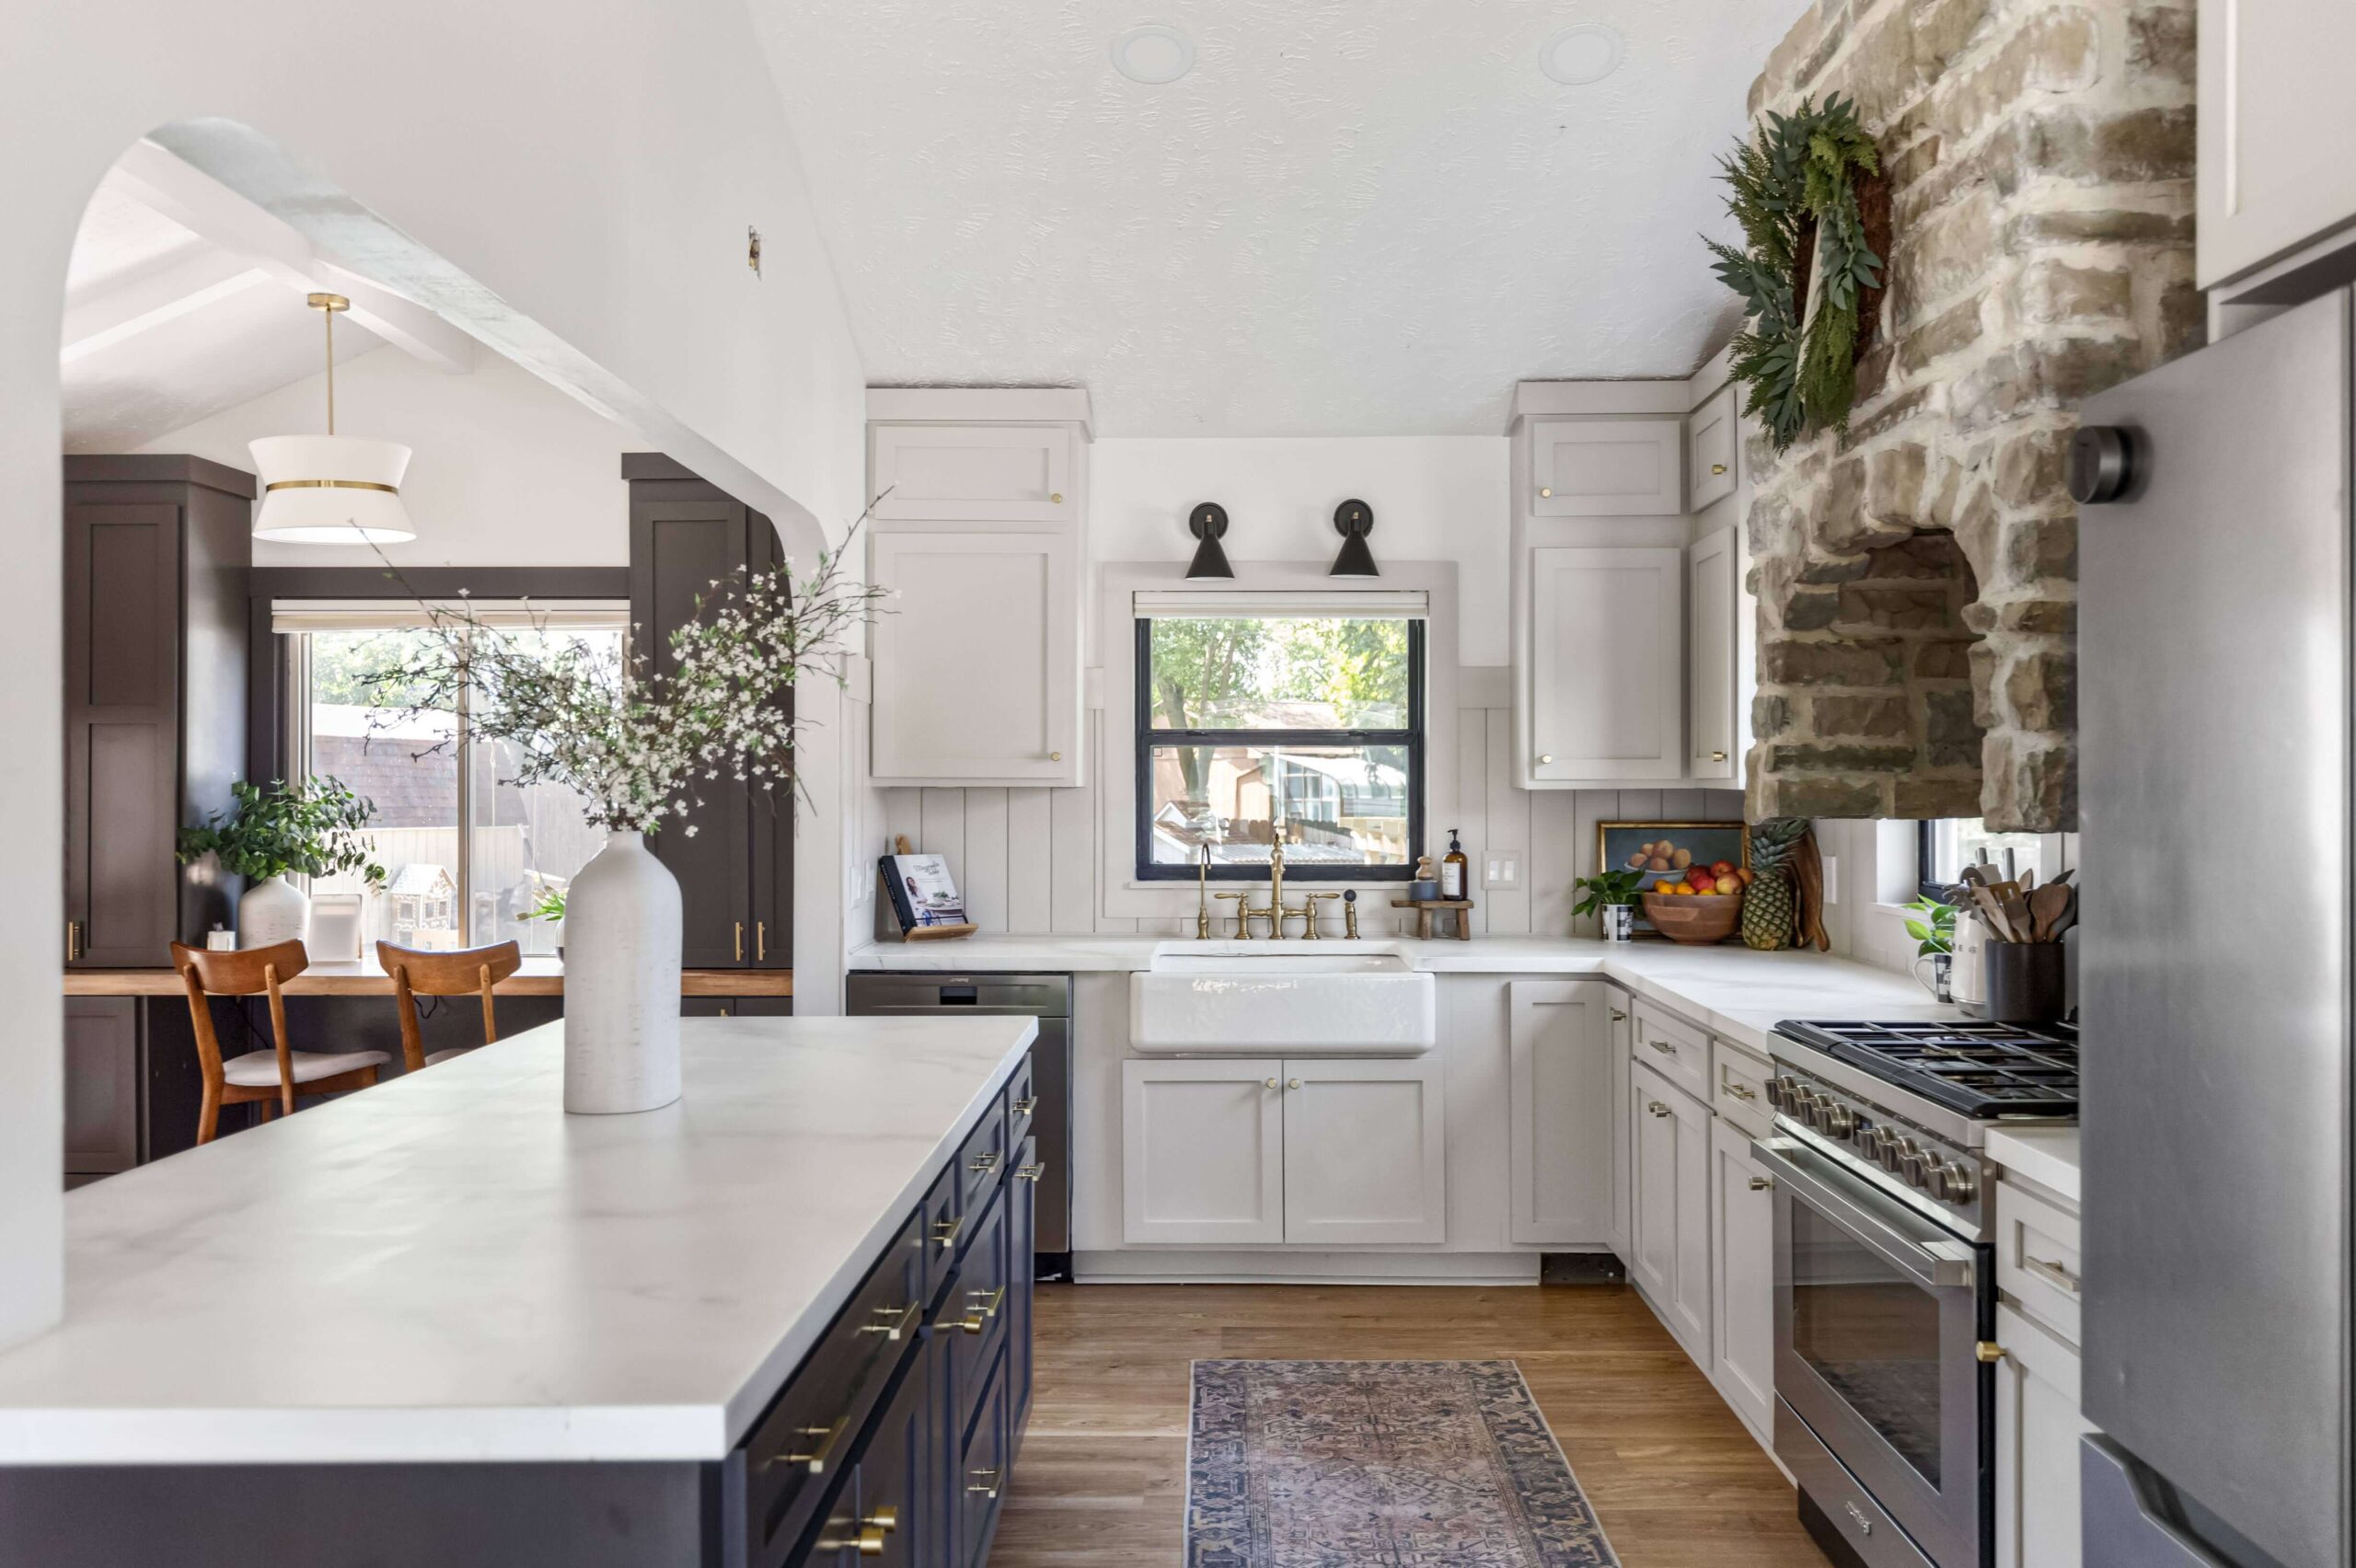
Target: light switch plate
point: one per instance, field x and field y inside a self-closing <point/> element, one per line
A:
<point x="1501" y="869"/>
<point x="1831" y="879"/>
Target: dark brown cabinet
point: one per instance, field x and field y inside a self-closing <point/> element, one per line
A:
<point x="736" y="871"/>
<point x="102" y="1086"/>
<point x="156" y="553"/>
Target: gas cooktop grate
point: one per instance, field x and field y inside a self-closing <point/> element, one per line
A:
<point x="1978" y="1069"/>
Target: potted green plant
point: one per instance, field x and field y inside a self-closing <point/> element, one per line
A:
<point x="312" y="828"/>
<point x="1932" y="925"/>
<point x="549" y="906"/>
<point x="1613" y="894"/>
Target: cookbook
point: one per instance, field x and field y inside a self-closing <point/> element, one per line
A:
<point x="923" y="893"/>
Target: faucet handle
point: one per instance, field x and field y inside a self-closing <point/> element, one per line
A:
<point x="1242" y="912"/>
<point x="1309" y="913"/>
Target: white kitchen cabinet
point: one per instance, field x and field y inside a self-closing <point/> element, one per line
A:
<point x="1606" y="468"/>
<point x="1743" y="1278"/>
<point x="1606" y="680"/>
<point x="1201" y="1150"/>
<point x="1619" y="1022"/>
<point x="1713" y="597"/>
<point x="1365" y="1155"/>
<point x="2275" y="125"/>
<point x="1562" y="1103"/>
<point x="1232" y="1151"/>
<point x="1670" y="1215"/>
<point x="1713" y="436"/>
<point x="1003" y="473"/>
<point x="2037" y="1431"/>
<point x="977" y="662"/>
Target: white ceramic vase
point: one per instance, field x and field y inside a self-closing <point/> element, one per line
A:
<point x="272" y="910"/>
<point x="621" y="982"/>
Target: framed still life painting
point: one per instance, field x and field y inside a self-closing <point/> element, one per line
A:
<point x="1666" y="851"/>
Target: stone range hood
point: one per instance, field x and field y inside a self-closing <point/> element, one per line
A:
<point x="1917" y="578"/>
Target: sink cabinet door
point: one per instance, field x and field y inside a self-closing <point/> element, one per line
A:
<point x="1365" y="1152"/>
<point x="1562" y="1106"/>
<point x="1201" y="1150"/>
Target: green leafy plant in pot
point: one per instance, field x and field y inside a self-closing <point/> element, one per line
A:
<point x="1932" y="925"/>
<point x="311" y="828"/>
<point x="1613" y="894"/>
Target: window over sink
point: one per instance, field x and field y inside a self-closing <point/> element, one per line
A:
<point x="1287" y="724"/>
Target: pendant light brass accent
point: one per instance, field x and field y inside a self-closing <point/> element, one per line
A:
<point x="330" y="490"/>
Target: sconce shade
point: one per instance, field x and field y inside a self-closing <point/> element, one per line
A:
<point x="1208" y="523"/>
<point x="1354" y="520"/>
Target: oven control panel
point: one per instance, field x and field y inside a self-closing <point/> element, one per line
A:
<point x="1910" y="1160"/>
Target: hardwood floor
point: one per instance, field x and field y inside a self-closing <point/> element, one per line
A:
<point x="1676" y="1479"/>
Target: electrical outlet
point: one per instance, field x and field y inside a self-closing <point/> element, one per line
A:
<point x="1501" y="869"/>
<point x="1831" y="879"/>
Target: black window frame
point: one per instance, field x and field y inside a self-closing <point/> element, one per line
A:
<point x="1148" y="737"/>
<point x="1925" y="858"/>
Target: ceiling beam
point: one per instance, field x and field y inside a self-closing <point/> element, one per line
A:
<point x="199" y="202"/>
<point x="107" y="316"/>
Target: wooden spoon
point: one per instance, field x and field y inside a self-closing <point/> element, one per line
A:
<point x="2047" y="906"/>
<point x="1992" y="912"/>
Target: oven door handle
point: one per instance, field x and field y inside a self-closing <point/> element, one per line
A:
<point x="1936" y="1263"/>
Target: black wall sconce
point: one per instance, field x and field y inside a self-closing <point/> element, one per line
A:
<point x="1354" y="520"/>
<point x="1208" y="523"/>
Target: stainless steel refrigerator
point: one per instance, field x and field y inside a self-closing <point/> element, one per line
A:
<point x="2214" y="650"/>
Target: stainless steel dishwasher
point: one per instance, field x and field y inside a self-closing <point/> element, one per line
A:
<point x="1048" y="997"/>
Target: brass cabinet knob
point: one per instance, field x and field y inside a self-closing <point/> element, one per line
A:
<point x="1292" y="1083"/>
<point x="1717" y="757"/>
<point x="1761" y="1184"/>
<point x="1272" y="1083"/>
<point x="1717" y="468"/>
<point x="1545" y="489"/>
<point x="1989" y="1352"/>
<point x="1056" y="497"/>
<point x="1545" y="757"/>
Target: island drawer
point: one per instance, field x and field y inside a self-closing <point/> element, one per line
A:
<point x="1675" y="1049"/>
<point x="1021" y="1102"/>
<point x="977" y="1310"/>
<point x="942" y="1217"/>
<point x="982" y="1159"/>
<point x="801" y="1443"/>
<point x="982" y="1473"/>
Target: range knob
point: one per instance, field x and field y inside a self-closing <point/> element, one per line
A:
<point x="1839" y="1121"/>
<point x="1957" y="1182"/>
<point x="1914" y="1161"/>
<point x="1872" y="1140"/>
<point x="1782" y="1090"/>
<point x="1812" y="1108"/>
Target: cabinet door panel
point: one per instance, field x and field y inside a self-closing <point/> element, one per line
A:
<point x="1606" y="468"/>
<point x="1688" y="1297"/>
<point x="2275" y="124"/>
<point x="1201" y="1151"/>
<point x="1652" y="1213"/>
<point x="892" y="1475"/>
<point x="977" y="667"/>
<point x="1015" y="473"/>
<point x="1364" y="1154"/>
<point x="1712" y="437"/>
<point x="1624" y="1126"/>
<point x="101" y="1085"/>
<point x="1742" y="1341"/>
<point x="1710" y="655"/>
<point x="676" y="549"/>
<point x="1562" y="1103"/>
<point x="1606" y="651"/>
<point x="1672" y="1207"/>
<point x="2038" y="1429"/>
<point x="1022" y="1230"/>
<point x="773" y="816"/>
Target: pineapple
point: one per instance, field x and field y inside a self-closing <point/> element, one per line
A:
<point x="1767" y="906"/>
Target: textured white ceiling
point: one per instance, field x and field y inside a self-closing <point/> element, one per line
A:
<point x="1357" y="218"/>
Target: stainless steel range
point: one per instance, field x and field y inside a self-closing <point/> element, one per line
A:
<point x="1884" y="1277"/>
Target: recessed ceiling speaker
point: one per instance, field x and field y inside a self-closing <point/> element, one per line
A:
<point x="1581" y="55"/>
<point x="1354" y="520"/>
<point x="1155" y="53"/>
<point x="1208" y="523"/>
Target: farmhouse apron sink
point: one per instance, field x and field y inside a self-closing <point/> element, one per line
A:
<point x="1292" y="998"/>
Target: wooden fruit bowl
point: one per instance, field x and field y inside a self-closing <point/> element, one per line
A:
<point x="1695" y="918"/>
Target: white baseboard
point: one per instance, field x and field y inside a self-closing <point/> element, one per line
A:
<point x="1167" y="1266"/>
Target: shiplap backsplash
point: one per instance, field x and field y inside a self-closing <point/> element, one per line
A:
<point x="1028" y="859"/>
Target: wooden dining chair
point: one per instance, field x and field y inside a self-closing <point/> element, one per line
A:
<point x="467" y="972"/>
<point x="262" y="1078"/>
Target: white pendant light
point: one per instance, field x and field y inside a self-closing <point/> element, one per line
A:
<point x="330" y="490"/>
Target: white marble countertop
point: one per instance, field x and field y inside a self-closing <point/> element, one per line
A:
<point x="1731" y="990"/>
<point x="448" y="1267"/>
<point x="2045" y="1155"/>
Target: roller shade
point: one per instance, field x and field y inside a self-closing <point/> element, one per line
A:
<point x="1231" y="604"/>
<point x="289" y="617"/>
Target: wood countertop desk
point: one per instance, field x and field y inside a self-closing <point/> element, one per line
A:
<point x="539" y="978"/>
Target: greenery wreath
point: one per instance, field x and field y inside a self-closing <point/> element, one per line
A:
<point x="1809" y="198"/>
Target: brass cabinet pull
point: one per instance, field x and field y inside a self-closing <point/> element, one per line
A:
<point x="1024" y="1107"/>
<point x="740" y="942"/>
<point x="1761" y="1184"/>
<point x="1741" y="1091"/>
<point x="1988" y="1352"/>
<point x="1716" y="468"/>
<point x="1655" y="1107"/>
<point x="989" y="1487"/>
<point x="1619" y="1016"/>
<point x="969" y="1320"/>
<point x="945" y="1231"/>
<point x="760" y="942"/>
<point x="991" y="1303"/>
<point x="1717" y="757"/>
<point x="822" y="1452"/>
<point x="1663" y="1046"/>
<point x="1032" y="1172"/>
<point x="885" y="1519"/>
<point x="982" y="1162"/>
<point x="2052" y="1274"/>
<point x="894" y="1322"/>
<point x="73" y="941"/>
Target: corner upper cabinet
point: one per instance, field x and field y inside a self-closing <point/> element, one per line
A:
<point x="1605" y="684"/>
<point x="1713" y="681"/>
<point x="1606" y="468"/>
<point x="2275" y="124"/>
<point x="1713" y="432"/>
<point x="980" y="535"/>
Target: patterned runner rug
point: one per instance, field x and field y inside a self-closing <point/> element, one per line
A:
<point x="1379" y="1464"/>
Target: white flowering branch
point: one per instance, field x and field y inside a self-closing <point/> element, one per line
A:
<point x="632" y="740"/>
